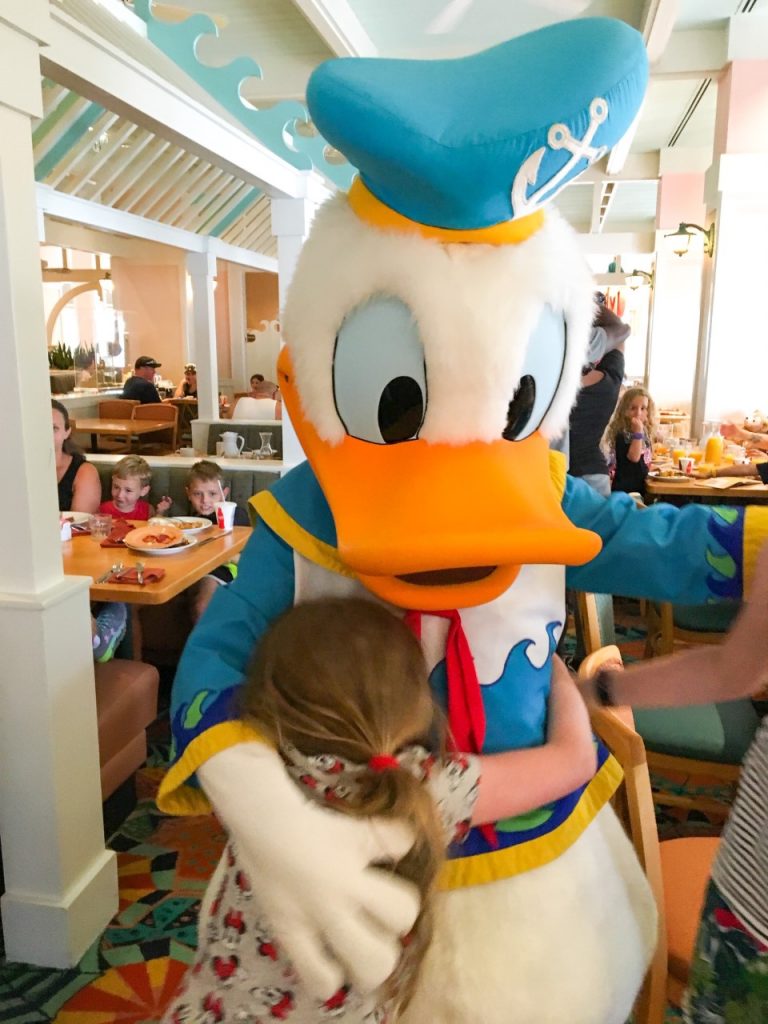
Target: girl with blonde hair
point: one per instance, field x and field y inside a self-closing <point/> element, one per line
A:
<point x="628" y="440"/>
<point x="340" y="688"/>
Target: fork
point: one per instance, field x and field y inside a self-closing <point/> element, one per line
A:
<point x="117" y="567"/>
<point x="140" y="573"/>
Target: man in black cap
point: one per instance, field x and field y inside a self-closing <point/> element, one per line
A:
<point x="140" y="387"/>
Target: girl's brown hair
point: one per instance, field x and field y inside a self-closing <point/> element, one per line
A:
<point x="620" y="422"/>
<point x="344" y="676"/>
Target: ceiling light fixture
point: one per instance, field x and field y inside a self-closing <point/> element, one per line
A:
<point x="685" y="232"/>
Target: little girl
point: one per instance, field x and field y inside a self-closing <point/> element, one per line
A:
<point x="340" y="687"/>
<point x="628" y="440"/>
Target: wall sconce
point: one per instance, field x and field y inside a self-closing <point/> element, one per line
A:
<point x="685" y="232"/>
<point x="638" y="278"/>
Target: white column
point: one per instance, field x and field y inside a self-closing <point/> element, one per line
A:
<point x="291" y="221"/>
<point x="237" y="326"/>
<point x="201" y="267"/>
<point x="61" y="884"/>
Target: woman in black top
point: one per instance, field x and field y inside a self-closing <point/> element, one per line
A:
<point x="79" y="483"/>
<point x="188" y="387"/>
<point x="628" y="440"/>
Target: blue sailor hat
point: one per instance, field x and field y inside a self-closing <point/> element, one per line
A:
<point x="468" y="143"/>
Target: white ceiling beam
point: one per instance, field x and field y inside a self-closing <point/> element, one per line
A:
<point x="104" y="218"/>
<point x="637" y="167"/>
<point x="609" y="243"/>
<point x="657" y="22"/>
<point x="338" y="26"/>
<point x="748" y="36"/>
<point x="597" y="197"/>
<point x="153" y="183"/>
<point x="90" y="65"/>
<point x="656" y="25"/>
<point x="693" y="53"/>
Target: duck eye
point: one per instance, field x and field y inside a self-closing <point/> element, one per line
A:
<point x="520" y="408"/>
<point x="379" y="378"/>
<point x="540" y="376"/>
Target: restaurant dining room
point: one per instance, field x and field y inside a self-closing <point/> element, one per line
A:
<point x="446" y="314"/>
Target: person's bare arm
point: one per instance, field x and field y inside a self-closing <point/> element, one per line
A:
<point x="734" y="669"/>
<point x="521" y="780"/>
<point x="754" y="438"/>
<point x="86" y="492"/>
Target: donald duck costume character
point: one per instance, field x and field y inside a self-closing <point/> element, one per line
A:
<point x="435" y="330"/>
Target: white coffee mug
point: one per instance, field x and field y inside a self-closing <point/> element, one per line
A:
<point x="188" y="453"/>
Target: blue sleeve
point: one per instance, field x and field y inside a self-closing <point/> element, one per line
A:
<point x="221" y="645"/>
<point x="689" y="555"/>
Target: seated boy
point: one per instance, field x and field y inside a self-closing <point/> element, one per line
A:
<point x="130" y="485"/>
<point x="205" y="486"/>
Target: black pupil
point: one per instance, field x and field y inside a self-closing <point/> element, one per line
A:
<point x="401" y="409"/>
<point x="520" y="408"/>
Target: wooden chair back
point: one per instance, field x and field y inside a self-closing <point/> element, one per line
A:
<point x="663" y="633"/>
<point x="633" y="804"/>
<point x="159" y="411"/>
<point x="595" y="614"/>
<point x="117" y="408"/>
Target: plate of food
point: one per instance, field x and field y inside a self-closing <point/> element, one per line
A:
<point x="158" y="540"/>
<point x="190" y="525"/>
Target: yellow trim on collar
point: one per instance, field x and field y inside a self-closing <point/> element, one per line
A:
<point x="558" y="471"/>
<point x="174" y="795"/>
<point x="514" y="860"/>
<point x="370" y="209"/>
<point x="317" y="551"/>
<point x="755" y="535"/>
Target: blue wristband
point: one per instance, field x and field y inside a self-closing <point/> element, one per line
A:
<point x="637" y="437"/>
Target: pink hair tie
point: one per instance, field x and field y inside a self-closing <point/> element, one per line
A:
<point x="383" y="763"/>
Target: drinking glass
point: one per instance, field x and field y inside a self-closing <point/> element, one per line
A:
<point x="266" y="451"/>
<point x="100" y="525"/>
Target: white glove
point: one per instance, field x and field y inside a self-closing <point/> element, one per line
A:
<point x="338" y="918"/>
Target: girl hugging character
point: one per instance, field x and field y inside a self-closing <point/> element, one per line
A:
<point x="340" y="688"/>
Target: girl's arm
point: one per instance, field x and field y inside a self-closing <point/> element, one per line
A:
<point x="734" y="669"/>
<point x="86" y="493"/>
<point x="521" y="780"/>
<point x="637" y="443"/>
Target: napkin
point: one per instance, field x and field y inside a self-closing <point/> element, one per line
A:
<point x="117" y="534"/>
<point x="131" y="575"/>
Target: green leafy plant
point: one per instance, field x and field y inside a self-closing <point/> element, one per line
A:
<point x="60" y="357"/>
<point x="85" y="356"/>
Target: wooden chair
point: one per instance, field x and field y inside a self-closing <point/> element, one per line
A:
<point x="159" y="442"/>
<point x="687" y="748"/>
<point x="116" y="409"/>
<point x="677" y="870"/>
<point x="668" y="624"/>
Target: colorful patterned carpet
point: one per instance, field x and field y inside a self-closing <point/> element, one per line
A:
<point x="131" y="971"/>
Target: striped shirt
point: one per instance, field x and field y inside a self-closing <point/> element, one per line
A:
<point x="740" y="870"/>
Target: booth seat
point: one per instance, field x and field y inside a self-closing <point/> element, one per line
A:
<point x="126" y="703"/>
<point x="244" y="477"/>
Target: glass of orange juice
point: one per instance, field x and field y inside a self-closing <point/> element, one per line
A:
<point x="714" y="450"/>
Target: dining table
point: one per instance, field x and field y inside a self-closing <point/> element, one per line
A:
<point x="678" y="490"/>
<point x="127" y="428"/>
<point x="84" y="556"/>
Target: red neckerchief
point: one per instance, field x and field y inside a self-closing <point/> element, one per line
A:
<point x="466" y="714"/>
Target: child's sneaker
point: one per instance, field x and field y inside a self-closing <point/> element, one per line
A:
<point x="111" y="624"/>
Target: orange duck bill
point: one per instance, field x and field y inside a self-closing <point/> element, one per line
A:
<point x="435" y="526"/>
